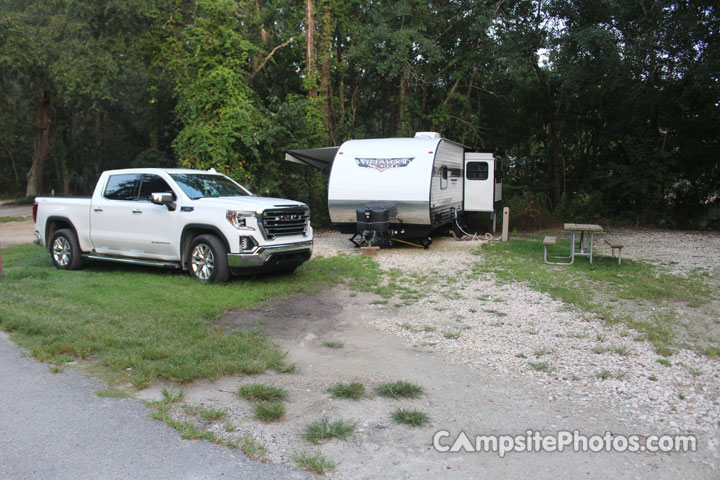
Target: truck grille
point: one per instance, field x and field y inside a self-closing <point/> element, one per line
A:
<point x="285" y="221"/>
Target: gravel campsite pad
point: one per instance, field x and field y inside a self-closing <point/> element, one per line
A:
<point x="491" y="358"/>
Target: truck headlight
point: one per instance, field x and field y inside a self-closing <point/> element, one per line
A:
<point x="239" y="218"/>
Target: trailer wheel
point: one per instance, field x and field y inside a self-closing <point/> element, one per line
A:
<point x="208" y="260"/>
<point x="65" y="250"/>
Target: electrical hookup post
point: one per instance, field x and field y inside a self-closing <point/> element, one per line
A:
<point x="506" y="224"/>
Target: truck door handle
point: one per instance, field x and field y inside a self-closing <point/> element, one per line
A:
<point x="137" y="211"/>
<point x="97" y="209"/>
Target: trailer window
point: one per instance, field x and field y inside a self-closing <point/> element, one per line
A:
<point x="122" y="187"/>
<point x="444" y="178"/>
<point x="477" y="171"/>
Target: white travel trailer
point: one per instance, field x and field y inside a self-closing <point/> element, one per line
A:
<point x="393" y="188"/>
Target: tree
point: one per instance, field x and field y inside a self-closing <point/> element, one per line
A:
<point x="208" y="57"/>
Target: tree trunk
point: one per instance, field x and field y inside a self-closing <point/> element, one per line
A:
<point x="264" y="37"/>
<point x="325" y="86"/>
<point x="403" y="108"/>
<point x="468" y="103"/>
<point x="556" y="161"/>
<point x="394" y="107"/>
<point x="310" y="47"/>
<point x="42" y="145"/>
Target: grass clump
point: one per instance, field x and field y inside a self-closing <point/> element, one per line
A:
<point x="607" y="374"/>
<point x="209" y="414"/>
<point x="112" y="393"/>
<point x="540" y="366"/>
<point x="413" y="418"/>
<point x="332" y="344"/>
<point x="188" y="431"/>
<point x="260" y="392"/>
<point x="399" y="389"/>
<point x="269" y="411"/>
<point x="314" y="462"/>
<point x="252" y="448"/>
<point x="324" y="430"/>
<point x="542" y="352"/>
<point x="352" y="391"/>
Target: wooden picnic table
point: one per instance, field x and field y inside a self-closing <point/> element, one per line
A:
<point x="583" y="228"/>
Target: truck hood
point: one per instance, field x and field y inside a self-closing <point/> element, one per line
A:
<point x="247" y="203"/>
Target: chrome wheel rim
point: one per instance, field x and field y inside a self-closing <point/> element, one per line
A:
<point x="61" y="251"/>
<point x="203" y="262"/>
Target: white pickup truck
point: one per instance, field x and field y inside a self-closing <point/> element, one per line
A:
<point x="199" y="221"/>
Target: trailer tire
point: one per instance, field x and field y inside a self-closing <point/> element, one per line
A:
<point x="65" y="250"/>
<point x="208" y="259"/>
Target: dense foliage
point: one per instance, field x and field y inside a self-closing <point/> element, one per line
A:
<point x="604" y="108"/>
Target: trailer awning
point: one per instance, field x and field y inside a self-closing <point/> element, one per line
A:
<point x="320" y="158"/>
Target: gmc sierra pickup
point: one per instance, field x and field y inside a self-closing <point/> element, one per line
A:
<point x="199" y="221"/>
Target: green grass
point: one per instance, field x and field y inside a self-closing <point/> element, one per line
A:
<point x="352" y="391"/>
<point x="190" y="431"/>
<point x="451" y="335"/>
<point x="315" y="462"/>
<point x="591" y="287"/>
<point x="324" y="430"/>
<point x="607" y="374"/>
<point x="147" y="323"/>
<point x="269" y="411"/>
<point x="333" y="344"/>
<point x="262" y="392"/>
<point x="209" y="414"/>
<point x="11" y="219"/>
<point x="252" y="448"/>
<point x="112" y="393"/>
<point x="399" y="389"/>
<point x="540" y="366"/>
<point x="413" y="418"/>
<point x="542" y="352"/>
<point x="173" y="395"/>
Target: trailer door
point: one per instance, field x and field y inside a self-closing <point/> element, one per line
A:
<point x="479" y="182"/>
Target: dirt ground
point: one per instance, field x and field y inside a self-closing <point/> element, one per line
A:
<point x="16" y="232"/>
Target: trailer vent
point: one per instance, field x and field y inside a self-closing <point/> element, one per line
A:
<point x="285" y="221"/>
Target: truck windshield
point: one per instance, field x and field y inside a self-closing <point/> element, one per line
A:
<point x="198" y="186"/>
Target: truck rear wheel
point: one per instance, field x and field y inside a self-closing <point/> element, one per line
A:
<point x="208" y="259"/>
<point x="65" y="250"/>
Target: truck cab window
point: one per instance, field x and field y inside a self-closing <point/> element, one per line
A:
<point x="477" y="171"/>
<point x="153" y="184"/>
<point x="122" y="187"/>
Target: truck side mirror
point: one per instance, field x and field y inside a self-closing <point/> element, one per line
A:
<point x="164" y="199"/>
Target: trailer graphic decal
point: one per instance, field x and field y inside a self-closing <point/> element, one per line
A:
<point x="382" y="164"/>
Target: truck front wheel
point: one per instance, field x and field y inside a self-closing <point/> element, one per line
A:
<point x="65" y="250"/>
<point x="208" y="259"/>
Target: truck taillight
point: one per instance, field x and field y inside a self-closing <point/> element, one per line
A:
<point x="35" y="205"/>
